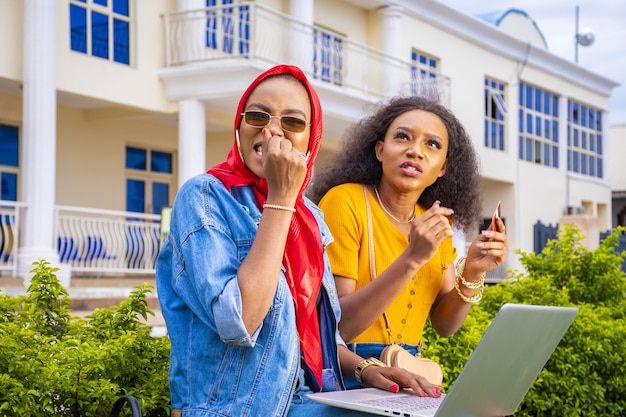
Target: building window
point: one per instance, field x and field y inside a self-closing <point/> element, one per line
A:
<point x="9" y="162"/>
<point x="584" y="139"/>
<point x="495" y="114"/>
<point x="538" y="126"/>
<point x="227" y="27"/>
<point x="424" y="75"/>
<point x="101" y="28"/>
<point x="328" y="56"/>
<point x="149" y="180"/>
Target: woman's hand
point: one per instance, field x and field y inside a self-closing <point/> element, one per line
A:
<point x="284" y="167"/>
<point x="393" y="379"/>
<point x="487" y="251"/>
<point x="428" y="231"/>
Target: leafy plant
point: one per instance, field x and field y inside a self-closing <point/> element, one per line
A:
<point x="585" y="374"/>
<point x="53" y="363"/>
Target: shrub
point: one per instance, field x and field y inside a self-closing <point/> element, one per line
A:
<point x="53" y="363"/>
<point x="585" y="374"/>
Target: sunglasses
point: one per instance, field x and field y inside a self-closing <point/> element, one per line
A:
<point x="260" y="119"/>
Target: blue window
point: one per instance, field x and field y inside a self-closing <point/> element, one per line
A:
<point x="101" y="28"/>
<point x="9" y="162"/>
<point x="328" y="56"/>
<point x="584" y="139"/>
<point x="149" y="179"/>
<point x="538" y="126"/>
<point x="495" y="114"/>
<point x="424" y="75"/>
<point x="227" y="27"/>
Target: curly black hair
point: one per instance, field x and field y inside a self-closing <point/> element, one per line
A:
<point x="459" y="188"/>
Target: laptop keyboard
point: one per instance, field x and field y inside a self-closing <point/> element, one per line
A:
<point x="408" y="403"/>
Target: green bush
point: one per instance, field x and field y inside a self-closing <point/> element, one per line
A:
<point x="585" y="374"/>
<point x="56" y="364"/>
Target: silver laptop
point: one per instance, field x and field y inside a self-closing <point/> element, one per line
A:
<point x="495" y="379"/>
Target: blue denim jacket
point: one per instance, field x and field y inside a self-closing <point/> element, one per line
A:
<point x="216" y="367"/>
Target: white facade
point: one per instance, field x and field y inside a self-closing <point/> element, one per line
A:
<point x="78" y="114"/>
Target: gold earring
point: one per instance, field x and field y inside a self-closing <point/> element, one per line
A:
<point x="238" y="145"/>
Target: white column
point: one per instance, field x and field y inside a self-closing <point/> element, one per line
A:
<point x="39" y="138"/>
<point x="301" y="35"/>
<point x="391" y="41"/>
<point x="191" y="139"/>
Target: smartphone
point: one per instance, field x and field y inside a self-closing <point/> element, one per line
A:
<point x="497" y="214"/>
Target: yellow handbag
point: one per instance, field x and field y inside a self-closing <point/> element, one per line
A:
<point x="395" y="355"/>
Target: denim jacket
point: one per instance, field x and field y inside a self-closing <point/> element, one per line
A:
<point x="216" y="367"/>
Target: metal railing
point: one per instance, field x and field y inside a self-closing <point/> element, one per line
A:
<point x="9" y="234"/>
<point x="99" y="242"/>
<point x="250" y="31"/>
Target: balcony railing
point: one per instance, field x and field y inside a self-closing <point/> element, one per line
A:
<point x="250" y="31"/>
<point x="97" y="242"/>
<point x="9" y="234"/>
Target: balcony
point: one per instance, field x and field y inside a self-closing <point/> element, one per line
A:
<point x="234" y="36"/>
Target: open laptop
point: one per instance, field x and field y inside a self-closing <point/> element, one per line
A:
<point x="495" y="379"/>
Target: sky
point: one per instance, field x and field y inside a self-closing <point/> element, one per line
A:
<point x="556" y="19"/>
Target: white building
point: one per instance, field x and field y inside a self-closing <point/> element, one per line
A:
<point x="107" y="106"/>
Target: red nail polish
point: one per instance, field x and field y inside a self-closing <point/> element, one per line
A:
<point x="395" y="388"/>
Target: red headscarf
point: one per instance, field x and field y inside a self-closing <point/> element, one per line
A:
<point x="303" y="260"/>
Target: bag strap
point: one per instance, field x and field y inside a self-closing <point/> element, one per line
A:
<point x="370" y="238"/>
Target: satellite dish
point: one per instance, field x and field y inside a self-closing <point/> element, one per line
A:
<point x="586" y="38"/>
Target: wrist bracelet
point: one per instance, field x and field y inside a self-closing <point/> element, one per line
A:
<point x="277" y="207"/>
<point x="474" y="298"/>
<point x="460" y="268"/>
<point x="362" y="366"/>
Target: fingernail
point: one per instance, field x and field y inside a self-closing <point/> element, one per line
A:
<point x="437" y="203"/>
<point x="395" y="388"/>
<point x="422" y="393"/>
<point x="265" y="132"/>
<point x="437" y="392"/>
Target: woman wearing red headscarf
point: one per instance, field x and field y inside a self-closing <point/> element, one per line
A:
<point x="243" y="279"/>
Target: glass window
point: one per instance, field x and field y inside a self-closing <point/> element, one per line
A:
<point x="227" y="27"/>
<point x="584" y="139"/>
<point x="148" y="185"/>
<point x="495" y="114"/>
<point x="9" y="162"/>
<point x="328" y="56"/>
<point x="101" y="28"/>
<point x="424" y="75"/>
<point x="538" y="126"/>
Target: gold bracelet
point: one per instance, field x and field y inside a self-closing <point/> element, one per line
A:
<point x="474" y="298"/>
<point x="362" y="366"/>
<point x="460" y="268"/>
<point x="277" y="207"/>
<point x="473" y="284"/>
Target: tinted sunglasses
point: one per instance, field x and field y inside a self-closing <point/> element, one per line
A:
<point x="260" y="119"/>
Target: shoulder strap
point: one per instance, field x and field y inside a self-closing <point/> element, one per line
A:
<point x="370" y="239"/>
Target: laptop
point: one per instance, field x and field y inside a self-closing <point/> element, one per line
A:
<point x="495" y="379"/>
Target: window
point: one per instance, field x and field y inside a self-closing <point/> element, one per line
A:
<point x="538" y="126"/>
<point x="149" y="180"/>
<point x="328" y="56"/>
<point x="221" y="23"/>
<point x="101" y="28"/>
<point x="424" y="75"/>
<point x="9" y="162"/>
<point x="584" y="139"/>
<point x="495" y="112"/>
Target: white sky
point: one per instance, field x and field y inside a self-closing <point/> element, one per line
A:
<point x="557" y="21"/>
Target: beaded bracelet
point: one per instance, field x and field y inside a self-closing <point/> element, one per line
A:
<point x="474" y="298"/>
<point x="277" y="207"/>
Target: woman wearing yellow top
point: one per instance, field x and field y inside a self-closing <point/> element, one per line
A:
<point x="414" y="162"/>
